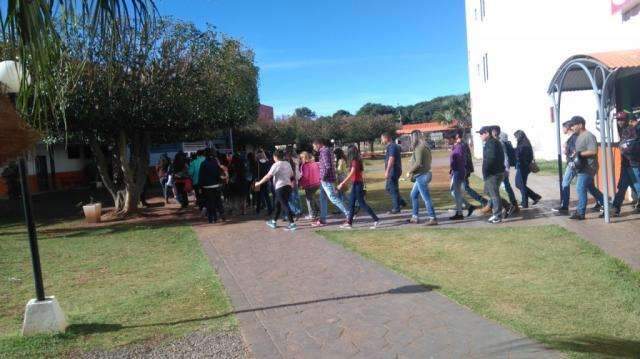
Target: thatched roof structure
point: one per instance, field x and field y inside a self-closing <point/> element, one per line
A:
<point x="16" y="136"/>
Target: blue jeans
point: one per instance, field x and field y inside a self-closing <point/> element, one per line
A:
<point x="357" y="195"/>
<point x="586" y="184"/>
<point x="507" y="187"/>
<point x="629" y="177"/>
<point x="569" y="175"/>
<point x="421" y="189"/>
<point x="328" y="191"/>
<point x="294" y="201"/>
<point x="393" y="188"/>
<point x="456" y="191"/>
<point x="522" y="175"/>
<point x="473" y="194"/>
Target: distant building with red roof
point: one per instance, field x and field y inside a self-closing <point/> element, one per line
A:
<point x="265" y="114"/>
<point x="429" y="127"/>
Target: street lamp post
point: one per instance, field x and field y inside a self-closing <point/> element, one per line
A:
<point x="43" y="314"/>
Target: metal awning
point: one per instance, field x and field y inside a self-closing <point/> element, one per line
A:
<point x="573" y="77"/>
<point x="597" y="72"/>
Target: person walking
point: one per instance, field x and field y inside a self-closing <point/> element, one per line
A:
<point x="294" y="200"/>
<point x="492" y="171"/>
<point x="194" y="173"/>
<point x="341" y="170"/>
<point x="524" y="159"/>
<point x="357" y="194"/>
<point x="328" y="190"/>
<point x="586" y="164"/>
<point x="393" y="171"/>
<point x="282" y="174"/>
<point x="162" y="170"/>
<point x="420" y="174"/>
<point x="469" y="169"/>
<point x="630" y="167"/>
<point x="310" y="183"/>
<point x="210" y="176"/>
<point x="509" y="161"/>
<point x="180" y="173"/>
<point x="263" y="192"/>
<point x="457" y="172"/>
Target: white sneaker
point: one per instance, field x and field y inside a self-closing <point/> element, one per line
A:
<point x="346" y="226"/>
<point x="375" y="225"/>
<point x="495" y="219"/>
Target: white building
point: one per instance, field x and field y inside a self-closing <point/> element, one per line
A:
<point x="515" y="48"/>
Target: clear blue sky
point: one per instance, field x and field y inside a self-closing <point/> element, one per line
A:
<point x="339" y="54"/>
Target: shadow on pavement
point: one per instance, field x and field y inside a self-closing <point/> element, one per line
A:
<point x="94" y="328"/>
<point x="590" y="344"/>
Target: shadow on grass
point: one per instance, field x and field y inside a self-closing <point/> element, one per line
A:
<point x="94" y="328"/>
<point x="589" y="344"/>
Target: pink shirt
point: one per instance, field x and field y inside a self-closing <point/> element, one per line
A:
<point x="310" y="175"/>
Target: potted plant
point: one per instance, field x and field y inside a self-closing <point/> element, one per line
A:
<point x="92" y="211"/>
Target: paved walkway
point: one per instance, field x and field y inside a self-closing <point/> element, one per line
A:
<point x="298" y="295"/>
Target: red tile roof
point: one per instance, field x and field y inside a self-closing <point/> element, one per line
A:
<point x="619" y="59"/>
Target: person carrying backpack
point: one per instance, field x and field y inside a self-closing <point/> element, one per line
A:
<point x="524" y="156"/>
<point x="630" y="168"/>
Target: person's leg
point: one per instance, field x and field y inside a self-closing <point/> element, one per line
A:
<point x="396" y="189"/>
<point x="276" y="213"/>
<point x="582" y="186"/>
<point x="456" y="195"/>
<point x="569" y="174"/>
<point x="524" y="199"/>
<point x="473" y="193"/>
<point x="217" y="202"/>
<point x="391" y="189"/>
<point x="208" y="203"/>
<point x="415" y="198"/>
<point x="359" y="197"/>
<point x="352" y="202"/>
<point x="423" y="188"/>
<point x="323" y="205"/>
<point x="634" y="176"/>
<point x="332" y="194"/>
<point x="595" y="192"/>
<point x="623" y="186"/>
<point x="507" y="187"/>
<point x="493" y="187"/>
<point x="308" y="198"/>
<point x="286" y="199"/>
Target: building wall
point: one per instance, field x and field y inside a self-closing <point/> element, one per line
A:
<point x="514" y="50"/>
<point x="265" y="114"/>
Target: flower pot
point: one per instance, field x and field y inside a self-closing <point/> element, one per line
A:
<point x="92" y="212"/>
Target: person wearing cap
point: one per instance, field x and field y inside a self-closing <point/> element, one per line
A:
<point x="509" y="161"/>
<point x="586" y="164"/>
<point x="492" y="171"/>
<point x="630" y="167"/>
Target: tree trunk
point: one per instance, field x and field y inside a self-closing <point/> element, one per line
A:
<point x="371" y="147"/>
<point x="132" y="158"/>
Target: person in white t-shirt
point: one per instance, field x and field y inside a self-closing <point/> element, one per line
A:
<point x="283" y="176"/>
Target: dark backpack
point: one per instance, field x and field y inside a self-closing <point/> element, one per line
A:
<point x="511" y="153"/>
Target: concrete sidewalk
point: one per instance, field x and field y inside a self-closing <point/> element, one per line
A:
<point x="297" y="295"/>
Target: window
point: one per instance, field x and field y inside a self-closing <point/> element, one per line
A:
<point x="485" y="67"/>
<point x="483" y="12"/>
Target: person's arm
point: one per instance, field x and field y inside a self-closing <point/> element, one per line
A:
<point x="417" y="164"/>
<point x="348" y="178"/>
<point x="391" y="162"/>
<point x="265" y="179"/>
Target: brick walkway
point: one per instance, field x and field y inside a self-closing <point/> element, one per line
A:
<point x="297" y="295"/>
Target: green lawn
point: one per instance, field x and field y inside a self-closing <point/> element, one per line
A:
<point x="118" y="285"/>
<point x="548" y="168"/>
<point x="544" y="282"/>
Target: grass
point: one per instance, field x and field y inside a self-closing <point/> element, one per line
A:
<point x="548" y="168"/>
<point x="117" y="285"/>
<point x="543" y="282"/>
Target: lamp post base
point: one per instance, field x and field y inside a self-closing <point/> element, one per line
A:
<point x="43" y="317"/>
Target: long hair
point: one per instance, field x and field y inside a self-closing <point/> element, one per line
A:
<point x="522" y="139"/>
<point x="353" y="154"/>
<point x="416" y="139"/>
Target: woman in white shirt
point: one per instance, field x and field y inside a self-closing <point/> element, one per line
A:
<point x="282" y="175"/>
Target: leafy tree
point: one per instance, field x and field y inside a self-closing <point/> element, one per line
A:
<point x="304" y="112"/>
<point x="342" y="113"/>
<point x="169" y="82"/>
<point x="376" y="109"/>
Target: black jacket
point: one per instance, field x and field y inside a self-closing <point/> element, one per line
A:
<point x="524" y="155"/>
<point x="209" y="173"/>
<point x="492" y="158"/>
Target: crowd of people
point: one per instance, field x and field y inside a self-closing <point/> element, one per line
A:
<point x="272" y="181"/>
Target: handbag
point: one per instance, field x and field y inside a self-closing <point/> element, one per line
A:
<point x="533" y="167"/>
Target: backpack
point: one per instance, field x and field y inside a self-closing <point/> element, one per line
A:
<point x="630" y="149"/>
<point x="511" y="153"/>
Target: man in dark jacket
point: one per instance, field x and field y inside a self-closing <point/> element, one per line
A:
<point x="630" y="168"/>
<point x="492" y="171"/>
<point x="467" y="186"/>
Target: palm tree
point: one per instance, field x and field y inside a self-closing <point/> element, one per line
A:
<point x="30" y="33"/>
